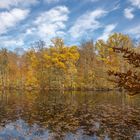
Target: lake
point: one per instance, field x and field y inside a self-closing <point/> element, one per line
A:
<point x="69" y="116"/>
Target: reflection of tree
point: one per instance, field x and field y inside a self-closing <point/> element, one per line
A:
<point x="62" y="113"/>
<point x="61" y="116"/>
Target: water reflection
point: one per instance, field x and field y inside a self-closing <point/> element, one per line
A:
<point x="75" y="115"/>
<point x="22" y="131"/>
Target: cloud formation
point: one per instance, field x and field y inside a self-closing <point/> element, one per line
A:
<point x="135" y="31"/>
<point x="128" y="13"/>
<point x="9" y="19"/>
<point x="24" y="21"/>
<point x="7" y="4"/>
<point x="135" y="3"/>
<point x="51" y="1"/>
<point x="107" y="31"/>
<point x="49" y="23"/>
<point x="86" y="22"/>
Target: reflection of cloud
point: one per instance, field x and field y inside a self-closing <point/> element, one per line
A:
<point x="21" y="131"/>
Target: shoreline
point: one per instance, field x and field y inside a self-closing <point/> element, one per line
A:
<point x="59" y="89"/>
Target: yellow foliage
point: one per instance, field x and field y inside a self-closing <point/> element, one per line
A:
<point x="30" y="78"/>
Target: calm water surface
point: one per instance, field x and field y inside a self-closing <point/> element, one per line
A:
<point x="69" y="116"/>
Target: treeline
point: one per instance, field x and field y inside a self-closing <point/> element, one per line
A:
<point x="58" y="66"/>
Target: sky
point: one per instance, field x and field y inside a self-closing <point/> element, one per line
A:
<point x="22" y="22"/>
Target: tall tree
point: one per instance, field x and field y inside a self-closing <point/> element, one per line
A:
<point x="130" y="79"/>
<point x="4" y="67"/>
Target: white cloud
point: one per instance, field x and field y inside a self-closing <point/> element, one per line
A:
<point x="135" y="3"/>
<point x="135" y="31"/>
<point x="6" y="4"/>
<point x="128" y="13"/>
<point x="51" y="23"/>
<point x="30" y="31"/>
<point x="11" y="43"/>
<point x="107" y="31"/>
<point x="47" y="25"/>
<point x="87" y="22"/>
<point x="9" y="19"/>
<point x="51" y="1"/>
<point x="116" y="5"/>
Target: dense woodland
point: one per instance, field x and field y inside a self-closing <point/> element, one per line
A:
<point x="101" y="65"/>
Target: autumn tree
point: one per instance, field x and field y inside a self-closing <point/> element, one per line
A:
<point x="58" y="66"/>
<point x="63" y="64"/>
<point x="52" y="67"/>
<point x="4" y="67"/>
<point x="36" y="65"/>
<point x="111" y="60"/>
<point x="86" y="66"/>
<point x="130" y="79"/>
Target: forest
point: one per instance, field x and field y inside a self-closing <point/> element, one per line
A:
<point x="100" y="65"/>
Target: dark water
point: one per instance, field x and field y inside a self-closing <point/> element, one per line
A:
<point x="69" y="116"/>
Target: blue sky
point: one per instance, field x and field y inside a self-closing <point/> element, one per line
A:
<point x="24" y="21"/>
